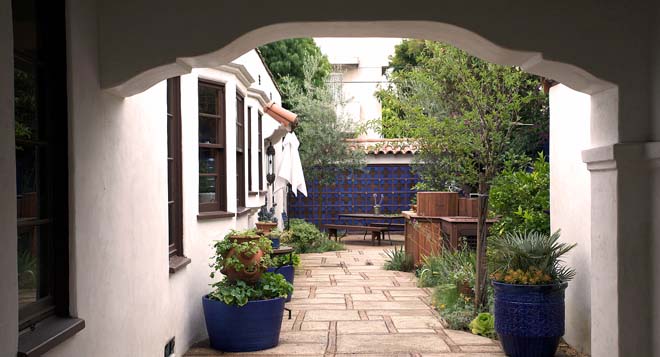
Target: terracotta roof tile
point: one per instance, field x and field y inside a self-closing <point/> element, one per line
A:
<point x="385" y="146"/>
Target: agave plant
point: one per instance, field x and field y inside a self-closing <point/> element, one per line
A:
<point x="530" y="258"/>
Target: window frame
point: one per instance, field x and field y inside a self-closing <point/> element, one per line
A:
<point x="52" y="169"/>
<point x="174" y="177"/>
<point x="240" y="152"/>
<point x="260" y="149"/>
<point x="218" y="149"/>
<point x="249" y="148"/>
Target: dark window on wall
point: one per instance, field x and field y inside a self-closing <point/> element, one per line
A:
<point x="41" y="139"/>
<point x="249" y="149"/>
<point x="260" y="147"/>
<point x="240" y="151"/>
<point x="212" y="168"/>
<point x="174" y="188"/>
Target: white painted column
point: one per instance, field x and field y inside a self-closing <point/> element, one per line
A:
<point x="570" y="203"/>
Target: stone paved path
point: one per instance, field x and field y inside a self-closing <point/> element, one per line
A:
<point x="346" y="304"/>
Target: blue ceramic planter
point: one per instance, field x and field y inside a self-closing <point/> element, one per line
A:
<point x="288" y="272"/>
<point x="252" y="327"/>
<point x="529" y="319"/>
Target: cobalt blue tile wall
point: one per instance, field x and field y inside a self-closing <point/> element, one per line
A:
<point x="353" y="193"/>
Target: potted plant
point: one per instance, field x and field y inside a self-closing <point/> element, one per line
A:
<point x="266" y="219"/>
<point x="285" y="265"/>
<point x="529" y="281"/>
<point x="243" y="255"/>
<point x="275" y="237"/>
<point x="244" y="315"/>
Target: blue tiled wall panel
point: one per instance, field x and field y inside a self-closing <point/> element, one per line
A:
<point x="353" y="193"/>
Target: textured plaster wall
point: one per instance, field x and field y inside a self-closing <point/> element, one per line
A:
<point x="570" y="189"/>
<point x="8" y="270"/>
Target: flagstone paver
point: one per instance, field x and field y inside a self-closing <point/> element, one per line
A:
<point x="346" y="304"/>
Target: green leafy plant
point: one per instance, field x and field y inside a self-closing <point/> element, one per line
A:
<point x="286" y="259"/>
<point x="399" y="260"/>
<point x="448" y="267"/>
<point x="483" y="325"/>
<point x="455" y="308"/>
<point x="520" y="197"/>
<point x="530" y="258"/>
<point x="270" y="286"/>
<point x="223" y="259"/>
<point x="306" y="238"/>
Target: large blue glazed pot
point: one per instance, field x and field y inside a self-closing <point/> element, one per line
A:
<point x="529" y="319"/>
<point x="252" y="327"/>
<point x="288" y="272"/>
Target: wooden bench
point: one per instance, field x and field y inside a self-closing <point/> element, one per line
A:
<point x="398" y="226"/>
<point x="377" y="233"/>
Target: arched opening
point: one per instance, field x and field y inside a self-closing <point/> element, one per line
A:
<point x="594" y="127"/>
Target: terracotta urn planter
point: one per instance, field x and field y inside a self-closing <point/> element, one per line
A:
<point x="252" y="270"/>
<point x="266" y="227"/>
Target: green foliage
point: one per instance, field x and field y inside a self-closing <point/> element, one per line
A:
<point x="306" y="238"/>
<point x="285" y="259"/>
<point x="520" y="197"/>
<point x="267" y="215"/>
<point x="519" y="256"/>
<point x="448" y="267"/>
<point x="286" y="59"/>
<point x="324" y="153"/>
<point x="467" y="114"/>
<point x="399" y="260"/>
<point x="484" y="325"/>
<point x="270" y="286"/>
<point x="223" y="259"/>
<point x="456" y="309"/>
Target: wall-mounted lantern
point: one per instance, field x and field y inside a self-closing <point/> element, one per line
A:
<point x="270" y="155"/>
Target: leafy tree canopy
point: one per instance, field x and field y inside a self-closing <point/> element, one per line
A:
<point x="462" y="110"/>
<point x="321" y="132"/>
<point x="285" y="60"/>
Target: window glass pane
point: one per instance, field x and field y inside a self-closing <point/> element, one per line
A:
<point x="31" y="286"/>
<point x="27" y="182"/>
<point x="171" y="220"/>
<point x="207" y="186"/>
<point x="208" y="132"/>
<point x="207" y="164"/>
<point x="25" y="102"/>
<point x="208" y="100"/>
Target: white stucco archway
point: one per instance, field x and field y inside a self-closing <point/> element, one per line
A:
<point x="533" y="62"/>
<point x="605" y="129"/>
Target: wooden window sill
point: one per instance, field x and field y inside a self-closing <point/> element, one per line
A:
<point x="254" y="193"/>
<point x="213" y="215"/>
<point x="241" y="211"/>
<point x="48" y="334"/>
<point x="178" y="262"/>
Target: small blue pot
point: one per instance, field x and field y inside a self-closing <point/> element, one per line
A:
<point x="288" y="271"/>
<point x="275" y="242"/>
<point x="252" y="327"/>
<point x="529" y="319"/>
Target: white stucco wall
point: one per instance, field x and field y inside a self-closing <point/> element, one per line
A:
<point x="570" y="190"/>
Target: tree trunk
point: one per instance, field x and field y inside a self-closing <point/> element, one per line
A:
<point x="482" y="239"/>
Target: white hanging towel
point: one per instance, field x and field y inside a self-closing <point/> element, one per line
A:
<point x="290" y="170"/>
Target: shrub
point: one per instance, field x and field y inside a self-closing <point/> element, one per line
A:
<point x="455" y="308"/>
<point x="530" y="258"/>
<point x="399" y="260"/>
<point x="521" y="198"/>
<point x="448" y="267"/>
<point x="306" y="238"/>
